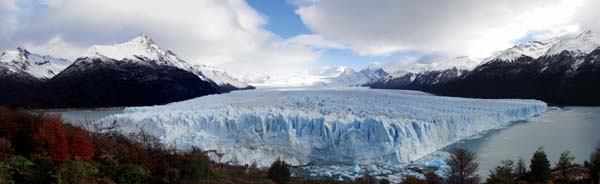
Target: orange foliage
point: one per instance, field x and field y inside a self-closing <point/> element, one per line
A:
<point x="50" y="139"/>
<point x="80" y="146"/>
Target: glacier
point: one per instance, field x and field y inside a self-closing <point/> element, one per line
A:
<point x="321" y="126"/>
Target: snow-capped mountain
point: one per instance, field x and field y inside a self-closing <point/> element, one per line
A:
<point x="141" y="49"/>
<point x="461" y="63"/>
<point x="134" y="73"/>
<point x="564" y="72"/>
<point x="144" y="50"/>
<point x="21" y="61"/>
<point x="534" y="49"/>
<point x="350" y="77"/>
<point x="428" y="74"/>
<point x="220" y="78"/>
<point x="585" y="43"/>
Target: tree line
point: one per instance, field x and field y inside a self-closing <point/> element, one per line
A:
<point x="463" y="170"/>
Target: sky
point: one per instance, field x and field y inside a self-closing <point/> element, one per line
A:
<point x="283" y="37"/>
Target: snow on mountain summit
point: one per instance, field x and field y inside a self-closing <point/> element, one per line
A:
<point x="460" y="62"/>
<point x="141" y="48"/>
<point x="585" y="43"/>
<point x="351" y="77"/>
<point x="532" y="49"/>
<point x="218" y="76"/>
<point x="23" y="61"/>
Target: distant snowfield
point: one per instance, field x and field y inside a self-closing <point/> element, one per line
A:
<point x="322" y="126"/>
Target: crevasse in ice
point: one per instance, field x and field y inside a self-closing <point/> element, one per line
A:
<point x="321" y="126"/>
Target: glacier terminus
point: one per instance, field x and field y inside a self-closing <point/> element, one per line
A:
<point x="321" y="126"/>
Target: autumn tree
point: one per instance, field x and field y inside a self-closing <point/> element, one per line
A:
<point x="540" y="167"/>
<point x="463" y="167"/>
<point x="410" y="179"/>
<point x="6" y="149"/>
<point x="50" y="139"/>
<point x="80" y="146"/>
<point x="18" y="127"/>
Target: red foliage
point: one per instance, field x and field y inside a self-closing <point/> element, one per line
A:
<point x="50" y="139"/>
<point x="6" y="149"/>
<point x="18" y="127"/>
<point x="80" y="146"/>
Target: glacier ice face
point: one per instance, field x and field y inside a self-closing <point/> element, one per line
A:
<point x="346" y="126"/>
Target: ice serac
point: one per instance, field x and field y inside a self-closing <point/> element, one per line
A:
<point x="321" y="126"/>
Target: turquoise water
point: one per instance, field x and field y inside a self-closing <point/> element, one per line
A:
<point x="576" y="129"/>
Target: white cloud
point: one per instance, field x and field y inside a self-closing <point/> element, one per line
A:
<point x="8" y="19"/>
<point x="466" y="27"/>
<point x="56" y="46"/>
<point x="226" y="33"/>
<point x="232" y="35"/>
<point x="313" y="41"/>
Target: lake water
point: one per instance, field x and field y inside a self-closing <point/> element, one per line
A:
<point x="572" y="128"/>
<point x="576" y="129"/>
<point x="85" y="115"/>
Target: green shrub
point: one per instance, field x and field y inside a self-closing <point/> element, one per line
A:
<point x="5" y="173"/>
<point x="76" y="171"/>
<point x="21" y="169"/>
<point x="126" y="173"/>
<point x="197" y="168"/>
<point x="42" y="170"/>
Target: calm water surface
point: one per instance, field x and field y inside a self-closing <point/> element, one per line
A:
<point x="576" y="129"/>
<point x="85" y="115"/>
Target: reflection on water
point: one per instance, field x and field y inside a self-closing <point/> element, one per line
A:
<point x="576" y="129"/>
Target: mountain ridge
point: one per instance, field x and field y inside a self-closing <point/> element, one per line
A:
<point x="137" y="72"/>
<point x="567" y="78"/>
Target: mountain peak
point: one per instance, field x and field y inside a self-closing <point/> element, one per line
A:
<point x="532" y="49"/>
<point x="143" y="39"/>
<point x="584" y="43"/>
<point x="586" y="32"/>
<point x="139" y="49"/>
<point x="23" y="51"/>
<point x="586" y="35"/>
<point x="23" y="61"/>
<point x="346" y="70"/>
